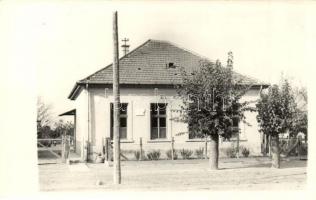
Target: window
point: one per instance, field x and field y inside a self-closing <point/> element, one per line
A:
<point x="158" y="121"/>
<point x="123" y="120"/>
<point x="235" y="128"/>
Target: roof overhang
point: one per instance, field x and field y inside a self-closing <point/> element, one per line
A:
<point x="75" y="91"/>
<point x="80" y="85"/>
<point x="70" y="112"/>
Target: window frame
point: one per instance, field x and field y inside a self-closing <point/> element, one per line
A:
<point x="235" y="129"/>
<point x="125" y="116"/>
<point x="158" y="116"/>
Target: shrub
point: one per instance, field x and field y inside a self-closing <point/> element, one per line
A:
<point x="98" y="158"/>
<point x="169" y="156"/>
<point x="186" y="153"/>
<point x="153" y="155"/>
<point x="231" y="152"/>
<point x="137" y="154"/>
<point x="245" y="152"/>
<point x="303" y="150"/>
<point x="199" y="153"/>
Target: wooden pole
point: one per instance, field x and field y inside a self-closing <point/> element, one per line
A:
<point x="116" y="94"/>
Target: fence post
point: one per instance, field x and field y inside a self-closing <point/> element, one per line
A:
<point x="65" y="141"/>
<point x="141" y="149"/>
<point x="67" y="148"/>
<point x="102" y="147"/>
<point x="299" y="147"/>
<point x="269" y="145"/>
<point x="63" y="148"/>
<point x="238" y="146"/>
<point x="172" y="148"/>
<point x="205" y="149"/>
<point x="107" y="147"/>
<point x="86" y="151"/>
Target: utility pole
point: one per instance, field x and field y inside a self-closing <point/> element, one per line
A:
<point x="125" y="46"/>
<point x="116" y="94"/>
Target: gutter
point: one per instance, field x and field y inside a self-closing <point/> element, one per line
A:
<point x="76" y="89"/>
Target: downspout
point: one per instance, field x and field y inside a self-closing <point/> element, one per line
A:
<point x="75" y="131"/>
<point x="88" y="141"/>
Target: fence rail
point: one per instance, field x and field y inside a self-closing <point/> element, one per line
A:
<point x="59" y="147"/>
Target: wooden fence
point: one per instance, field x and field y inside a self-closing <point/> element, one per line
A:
<point x="58" y="147"/>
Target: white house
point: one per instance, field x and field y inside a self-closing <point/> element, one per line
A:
<point x="147" y="77"/>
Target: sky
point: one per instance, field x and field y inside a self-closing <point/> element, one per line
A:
<point x="67" y="41"/>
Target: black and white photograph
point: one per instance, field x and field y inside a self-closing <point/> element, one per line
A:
<point x="158" y="96"/>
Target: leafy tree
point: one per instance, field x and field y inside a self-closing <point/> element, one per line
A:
<point x="44" y="132"/>
<point x="300" y="119"/>
<point x="44" y="119"/>
<point x="46" y="127"/>
<point x="211" y="100"/>
<point x="276" y="110"/>
<point x="63" y="128"/>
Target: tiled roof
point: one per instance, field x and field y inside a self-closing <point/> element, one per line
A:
<point x="147" y="64"/>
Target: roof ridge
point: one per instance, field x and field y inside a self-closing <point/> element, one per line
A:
<point x="119" y="60"/>
<point x="185" y="49"/>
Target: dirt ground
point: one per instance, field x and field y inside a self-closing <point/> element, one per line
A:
<point x="178" y="175"/>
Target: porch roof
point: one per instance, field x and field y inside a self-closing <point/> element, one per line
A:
<point x="70" y="112"/>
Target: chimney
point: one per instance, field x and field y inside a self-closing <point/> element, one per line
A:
<point x="125" y="46"/>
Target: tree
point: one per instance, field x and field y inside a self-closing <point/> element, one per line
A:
<point x="276" y="110"/>
<point x="44" y="119"/>
<point x="211" y="101"/>
<point x="62" y="128"/>
<point x="300" y="119"/>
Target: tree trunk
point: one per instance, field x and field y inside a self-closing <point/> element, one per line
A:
<point x="116" y="116"/>
<point x="213" y="161"/>
<point x="275" y="151"/>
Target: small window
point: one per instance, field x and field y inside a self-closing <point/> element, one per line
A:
<point x="235" y="122"/>
<point x="158" y="121"/>
<point x="123" y="120"/>
<point x="170" y="65"/>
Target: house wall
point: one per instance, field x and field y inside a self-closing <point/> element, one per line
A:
<point x="81" y="105"/>
<point x="138" y="121"/>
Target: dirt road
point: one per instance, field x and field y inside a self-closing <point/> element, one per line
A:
<point x="166" y="175"/>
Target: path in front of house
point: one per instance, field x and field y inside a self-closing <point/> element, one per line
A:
<point x="178" y="175"/>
